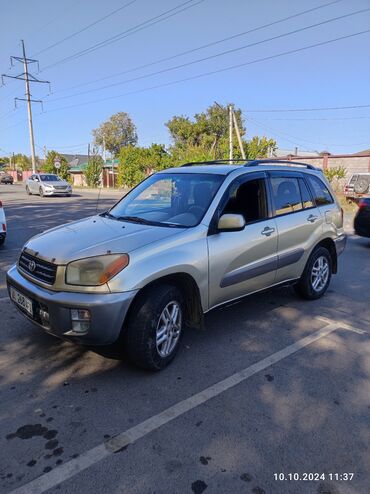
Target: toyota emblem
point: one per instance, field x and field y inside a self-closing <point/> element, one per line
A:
<point x="32" y="266"/>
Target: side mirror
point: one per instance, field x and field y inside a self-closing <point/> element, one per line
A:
<point x="36" y="179"/>
<point x="231" y="222"/>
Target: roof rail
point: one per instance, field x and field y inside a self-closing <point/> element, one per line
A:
<point x="278" y="162"/>
<point x="216" y="162"/>
<point x="250" y="163"/>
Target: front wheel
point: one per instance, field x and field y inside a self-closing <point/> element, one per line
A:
<point x="41" y="192"/>
<point x="316" y="276"/>
<point x="28" y="191"/>
<point x="155" y="326"/>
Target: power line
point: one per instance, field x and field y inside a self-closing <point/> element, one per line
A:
<point x="139" y="27"/>
<point x="86" y="27"/>
<point x="211" y="57"/>
<point x="218" y="71"/>
<point x="208" y="45"/>
<point x="301" y="139"/>
<point x="282" y="110"/>
<point x="317" y="118"/>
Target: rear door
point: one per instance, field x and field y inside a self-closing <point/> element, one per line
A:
<point x="242" y="262"/>
<point x="298" y="219"/>
<point x="328" y="207"/>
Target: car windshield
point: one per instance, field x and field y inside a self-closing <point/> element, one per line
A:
<point x="49" y="178"/>
<point x="169" y="199"/>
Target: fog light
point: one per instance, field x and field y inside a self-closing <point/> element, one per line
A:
<point x="80" y="320"/>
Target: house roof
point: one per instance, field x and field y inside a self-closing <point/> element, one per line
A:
<point x="75" y="159"/>
<point x="81" y="167"/>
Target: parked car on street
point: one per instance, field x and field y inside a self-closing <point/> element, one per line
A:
<point x="184" y="241"/>
<point x="47" y="184"/>
<point x="358" y="186"/>
<point x="5" y="178"/>
<point x="362" y="218"/>
<point x="2" y="225"/>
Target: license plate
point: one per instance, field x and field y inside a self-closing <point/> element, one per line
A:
<point x="22" y="301"/>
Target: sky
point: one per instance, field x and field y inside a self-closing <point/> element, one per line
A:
<point x="80" y="42"/>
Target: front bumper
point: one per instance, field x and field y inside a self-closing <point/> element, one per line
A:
<point x="340" y="243"/>
<point x="108" y="310"/>
<point x="57" y="192"/>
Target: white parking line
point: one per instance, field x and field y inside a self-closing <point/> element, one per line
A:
<point x="117" y="443"/>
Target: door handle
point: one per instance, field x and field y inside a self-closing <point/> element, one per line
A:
<point x="267" y="231"/>
<point x="312" y="218"/>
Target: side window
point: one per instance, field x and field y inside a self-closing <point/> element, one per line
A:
<point x="286" y="195"/>
<point x="306" y="195"/>
<point x="320" y="191"/>
<point x="248" y="199"/>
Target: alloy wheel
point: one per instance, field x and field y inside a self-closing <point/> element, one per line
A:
<point x="320" y="273"/>
<point x="169" y="328"/>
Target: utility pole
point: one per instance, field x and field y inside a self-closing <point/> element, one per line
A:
<point x="27" y="77"/>
<point x="230" y="132"/>
<point x="238" y="134"/>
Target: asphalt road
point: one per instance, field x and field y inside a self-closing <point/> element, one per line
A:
<point x="269" y="388"/>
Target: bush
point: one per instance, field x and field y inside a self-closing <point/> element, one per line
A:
<point x="94" y="170"/>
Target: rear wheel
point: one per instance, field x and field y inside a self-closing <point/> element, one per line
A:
<point x="28" y="191"/>
<point x="41" y="192"/>
<point x="154" y="330"/>
<point x="316" y="276"/>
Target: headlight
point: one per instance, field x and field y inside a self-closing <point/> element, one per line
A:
<point x="47" y="186"/>
<point x="95" y="271"/>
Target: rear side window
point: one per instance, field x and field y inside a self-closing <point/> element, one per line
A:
<point x="286" y="195"/>
<point x="320" y="191"/>
<point x="307" y="201"/>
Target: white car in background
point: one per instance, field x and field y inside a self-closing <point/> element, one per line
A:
<point x="2" y="224"/>
<point x="47" y="184"/>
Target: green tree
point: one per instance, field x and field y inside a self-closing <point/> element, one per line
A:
<point x="94" y="170"/>
<point x="136" y="163"/>
<point x="206" y="135"/>
<point x="259" y="147"/>
<point x="117" y="132"/>
<point x="334" y="175"/>
<point x="22" y="162"/>
<point x="49" y="165"/>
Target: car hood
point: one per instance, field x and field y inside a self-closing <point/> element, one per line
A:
<point x="92" y="237"/>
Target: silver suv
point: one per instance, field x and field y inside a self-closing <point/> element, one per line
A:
<point x="184" y="241"/>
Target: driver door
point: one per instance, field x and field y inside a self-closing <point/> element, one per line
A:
<point x="242" y="262"/>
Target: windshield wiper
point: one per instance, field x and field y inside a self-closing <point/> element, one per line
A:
<point x="134" y="219"/>
<point x="108" y="215"/>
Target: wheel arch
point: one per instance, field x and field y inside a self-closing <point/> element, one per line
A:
<point x="194" y="315"/>
<point x="329" y="244"/>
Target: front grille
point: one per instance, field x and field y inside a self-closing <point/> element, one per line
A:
<point x="37" y="268"/>
<point x="60" y="187"/>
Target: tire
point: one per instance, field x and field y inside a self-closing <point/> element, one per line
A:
<point x="41" y="192"/>
<point x="361" y="186"/>
<point x="146" y="327"/>
<point x="28" y="191"/>
<point x="318" y="271"/>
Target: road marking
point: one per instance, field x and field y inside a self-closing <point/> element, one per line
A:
<point x="343" y="325"/>
<point x="119" y="442"/>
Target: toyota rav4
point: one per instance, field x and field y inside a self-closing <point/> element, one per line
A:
<point x="184" y="241"/>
